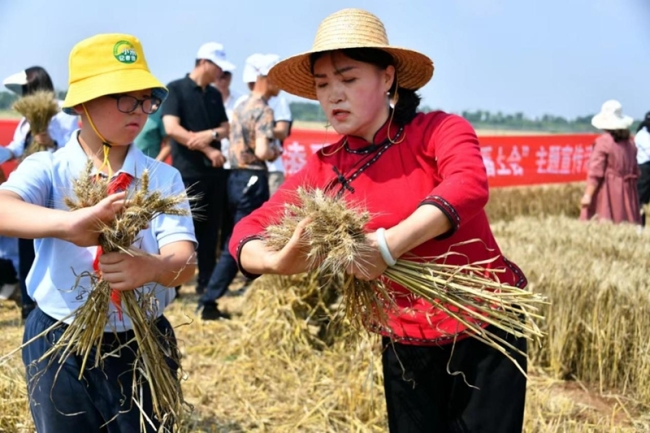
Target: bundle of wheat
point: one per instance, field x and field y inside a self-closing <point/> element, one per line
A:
<point x="83" y="336"/>
<point x="471" y="294"/>
<point x="38" y="109"/>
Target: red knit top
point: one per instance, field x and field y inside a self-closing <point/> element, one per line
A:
<point x="437" y="161"/>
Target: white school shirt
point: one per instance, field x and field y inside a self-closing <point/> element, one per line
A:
<point x="281" y="113"/>
<point x="642" y="141"/>
<point x="45" y="179"/>
<point x="60" y="129"/>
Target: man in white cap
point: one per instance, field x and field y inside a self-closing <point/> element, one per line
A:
<point x="251" y="138"/>
<point x="196" y="122"/>
<point x="282" y="126"/>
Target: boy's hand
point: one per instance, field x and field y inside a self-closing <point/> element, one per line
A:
<point x="127" y="272"/>
<point x="83" y="225"/>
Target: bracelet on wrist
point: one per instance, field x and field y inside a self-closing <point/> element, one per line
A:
<point x="383" y="247"/>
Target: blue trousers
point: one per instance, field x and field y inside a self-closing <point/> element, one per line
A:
<point x="247" y="191"/>
<point x="102" y="400"/>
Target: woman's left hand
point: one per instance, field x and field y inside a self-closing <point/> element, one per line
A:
<point x="369" y="265"/>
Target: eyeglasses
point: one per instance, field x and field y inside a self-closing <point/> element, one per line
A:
<point x="128" y="104"/>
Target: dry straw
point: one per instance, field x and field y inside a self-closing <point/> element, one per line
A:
<point x="471" y="294"/>
<point x="38" y="109"/>
<point x="290" y="364"/>
<point x="596" y="276"/>
<point x="544" y="200"/>
<point x="282" y="367"/>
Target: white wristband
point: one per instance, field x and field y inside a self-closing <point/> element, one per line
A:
<point x="383" y="247"/>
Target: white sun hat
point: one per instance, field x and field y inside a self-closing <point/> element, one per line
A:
<point x="611" y="117"/>
<point x="258" y="65"/>
<point x="16" y="82"/>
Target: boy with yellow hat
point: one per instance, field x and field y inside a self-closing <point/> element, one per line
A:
<point x="112" y="89"/>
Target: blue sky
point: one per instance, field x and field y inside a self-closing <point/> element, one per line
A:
<point x="562" y="57"/>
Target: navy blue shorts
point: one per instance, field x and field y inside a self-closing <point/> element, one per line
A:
<point x="99" y="402"/>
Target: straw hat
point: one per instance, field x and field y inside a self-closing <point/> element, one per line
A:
<point x="611" y="117"/>
<point x="350" y="28"/>
<point x="107" y="64"/>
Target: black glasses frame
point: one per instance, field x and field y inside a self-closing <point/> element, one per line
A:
<point x="149" y="105"/>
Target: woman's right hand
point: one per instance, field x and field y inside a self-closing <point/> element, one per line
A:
<point x="290" y="260"/>
<point x="82" y="226"/>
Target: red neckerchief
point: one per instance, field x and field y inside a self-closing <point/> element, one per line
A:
<point x="118" y="184"/>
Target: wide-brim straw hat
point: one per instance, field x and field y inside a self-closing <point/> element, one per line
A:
<point x="107" y="64"/>
<point x="350" y="28"/>
<point x="611" y="117"/>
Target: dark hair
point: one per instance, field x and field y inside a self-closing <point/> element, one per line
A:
<point x="37" y="79"/>
<point x="645" y="123"/>
<point x="619" y="134"/>
<point x="407" y="99"/>
<point x="226" y="74"/>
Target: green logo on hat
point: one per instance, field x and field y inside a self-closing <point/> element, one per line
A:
<point x="125" y="52"/>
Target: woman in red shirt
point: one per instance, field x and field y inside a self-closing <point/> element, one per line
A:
<point x="424" y="178"/>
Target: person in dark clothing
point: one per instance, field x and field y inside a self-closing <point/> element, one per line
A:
<point x="195" y="120"/>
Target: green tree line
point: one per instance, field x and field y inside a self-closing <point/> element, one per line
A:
<point x="480" y="119"/>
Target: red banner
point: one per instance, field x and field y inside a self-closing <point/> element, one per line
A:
<point x="509" y="160"/>
<point x="7" y="128"/>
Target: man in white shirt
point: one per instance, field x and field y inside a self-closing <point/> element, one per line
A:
<point x="230" y="97"/>
<point x="642" y="141"/>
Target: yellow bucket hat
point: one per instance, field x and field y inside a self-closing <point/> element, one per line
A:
<point x="106" y="64"/>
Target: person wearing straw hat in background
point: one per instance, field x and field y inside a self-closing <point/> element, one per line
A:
<point x="59" y="131"/>
<point x="642" y="142"/>
<point x="611" y="192"/>
<point x="423" y="178"/>
<point x="251" y="139"/>
<point x="112" y="89"/>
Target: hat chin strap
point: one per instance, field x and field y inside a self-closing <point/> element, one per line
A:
<point x="106" y="146"/>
